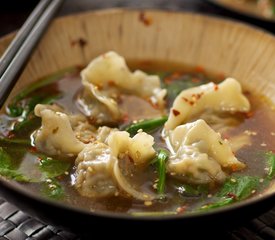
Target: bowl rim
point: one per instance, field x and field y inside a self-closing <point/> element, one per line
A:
<point x="14" y="186"/>
<point x="247" y="14"/>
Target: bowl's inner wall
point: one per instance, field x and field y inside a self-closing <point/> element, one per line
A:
<point x="219" y="46"/>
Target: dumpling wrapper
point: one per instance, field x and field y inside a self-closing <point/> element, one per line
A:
<point x="56" y="135"/>
<point x="98" y="164"/>
<point x="199" y="153"/>
<point x="139" y="148"/>
<point x="107" y="76"/>
<point x="224" y="97"/>
<point x="94" y="173"/>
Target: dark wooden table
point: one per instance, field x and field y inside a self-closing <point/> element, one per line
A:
<point x="14" y="224"/>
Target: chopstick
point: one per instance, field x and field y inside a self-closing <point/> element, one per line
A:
<point x="15" y="58"/>
<point x="21" y="35"/>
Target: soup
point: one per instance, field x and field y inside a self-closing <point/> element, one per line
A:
<point x="167" y="140"/>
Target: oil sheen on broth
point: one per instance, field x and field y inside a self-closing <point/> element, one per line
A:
<point x="251" y="135"/>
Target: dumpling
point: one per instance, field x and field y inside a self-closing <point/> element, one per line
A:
<point x="199" y="154"/>
<point x="139" y="148"/>
<point x="98" y="172"/>
<point x="83" y="130"/>
<point x="224" y="97"/>
<point x="193" y="166"/>
<point x="61" y="134"/>
<point x="106" y="77"/>
<point x="94" y="173"/>
<point x="103" y="134"/>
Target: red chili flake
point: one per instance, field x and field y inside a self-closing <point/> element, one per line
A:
<point x="130" y="160"/>
<point x="196" y="80"/>
<point x="168" y="79"/>
<point x="99" y="87"/>
<point x="199" y="95"/>
<point x="232" y="195"/>
<point x="111" y="83"/>
<point x="33" y="149"/>
<point x="119" y="99"/>
<point x="175" y="112"/>
<point x="176" y="75"/>
<point x="54" y="131"/>
<point x="234" y="168"/>
<point x="154" y="105"/>
<point x="85" y="141"/>
<point x="173" y="77"/>
<point x="221" y="76"/>
<point x="199" y="69"/>
<point x="147" y="21"/>
<point x="186" y="99"/>
<point x="60" y="177"/>
<point x="216" y="87"/>
<point x="92" y="120"/>
<point x="125" y="118"/>
<point x="249" y="114"/>
<point x="181" y="209"/>
<point x="225" y="136"/>
<point x="189" y="101"/>
<point x="10" y="134"/>
<point x="81" y="42"/>
<point x="247" y="93"/>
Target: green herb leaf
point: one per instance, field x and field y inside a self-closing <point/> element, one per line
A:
<point x="14" y="174"/>
<point x="177" y="85"/>
<point x="162" y="157"/>
<point x="15" y="109"/>
<point x="234" y="189"/>
<point x="15" y="141"/>
<point x="28" y="120"/>
<point x="52" y="189"/>
<point x="146" y="125"/>
<point x="7" y="170"/>
<point x="52" y="167"/>
<point x="220" y="203"/>
<point x="5" y="159"/>
<point x="271" y="165"/>
<point x="187" y="190"/>
<point x="175" y="88"/>
<point x="240" y="187"/>
<point x="161" y="74"/>
<point x="27" y="124"/>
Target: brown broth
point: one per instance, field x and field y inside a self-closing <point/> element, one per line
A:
<point x="259" y="124"/>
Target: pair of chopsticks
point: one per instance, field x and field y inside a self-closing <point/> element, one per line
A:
<point x="15" y="57"/>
